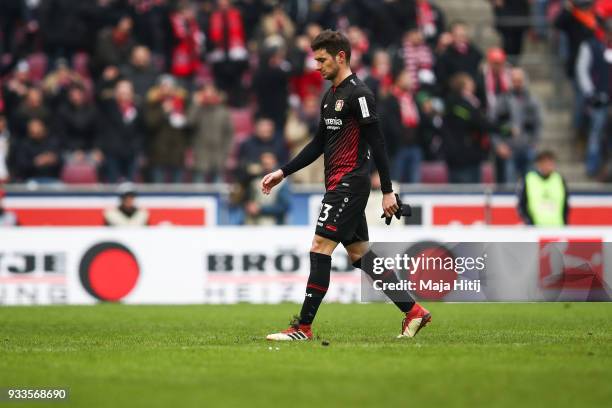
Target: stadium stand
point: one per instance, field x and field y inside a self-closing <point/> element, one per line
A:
<point x="258" y="60"/>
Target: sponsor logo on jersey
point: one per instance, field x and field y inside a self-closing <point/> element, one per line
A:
<point x="333" y="121"/>
<point x="339" y="105"/>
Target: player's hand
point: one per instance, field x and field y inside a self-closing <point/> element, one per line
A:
<point x="389" y="204"/>
<point x="270" y="180"/>
<point x="404" y="210"/>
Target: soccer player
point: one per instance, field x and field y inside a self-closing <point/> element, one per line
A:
<point x="347" y="132"/>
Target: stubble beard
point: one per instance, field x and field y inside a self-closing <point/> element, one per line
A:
<point x="331" y="76"/>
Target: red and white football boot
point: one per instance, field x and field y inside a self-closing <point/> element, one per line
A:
<point x="296" y="331"/>
<point x="415" y="320"/>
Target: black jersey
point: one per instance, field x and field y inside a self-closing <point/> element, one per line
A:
<point x="347" y="158"/>
<point x="348" y="131"/>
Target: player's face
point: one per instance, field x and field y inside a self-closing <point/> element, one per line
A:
<point x="327" y="65"/>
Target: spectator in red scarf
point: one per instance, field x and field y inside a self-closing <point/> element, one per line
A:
<point x="188" y="41"/>
<point x="460" y="56"/>
<point x="494" y="79"/>
<point x="380" y="79"/>
<point x="306" y="80"/>
<point x="114" y="45"/>
<point x="166" y="121"/>
<point x="360" y="48"/>
<point x="402" y="129"/>
<point x="120" y="134"/>
<point x="430" y="21"/>
<point x="228" y="55"/>
<point x="416" y="54"/>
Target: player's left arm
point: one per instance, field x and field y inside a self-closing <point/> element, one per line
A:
<point x="364" y="109"/>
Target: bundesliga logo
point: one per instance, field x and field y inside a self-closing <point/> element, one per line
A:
<point x="339" y="105"/>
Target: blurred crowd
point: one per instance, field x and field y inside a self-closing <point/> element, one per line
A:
<point x="221" y="90"/>
<point x="586" y="47"/>
<point x="153" y="90"/>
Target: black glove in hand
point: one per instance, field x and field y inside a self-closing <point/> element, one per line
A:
<point x="404" y="210"/>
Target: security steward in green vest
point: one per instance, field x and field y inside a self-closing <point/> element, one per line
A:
<point x="543" y="196"/>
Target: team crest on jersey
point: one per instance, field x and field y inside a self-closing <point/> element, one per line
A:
<point x="339" y="105"/>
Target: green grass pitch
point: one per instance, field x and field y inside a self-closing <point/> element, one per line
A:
<point x="514" y="355"/>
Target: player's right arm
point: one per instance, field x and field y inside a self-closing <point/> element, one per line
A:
<point x="309" y="154"/>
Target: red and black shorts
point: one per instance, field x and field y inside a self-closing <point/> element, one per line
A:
<point x="342" y="217"/>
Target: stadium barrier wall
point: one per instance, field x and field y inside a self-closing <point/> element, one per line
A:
<point x="178" y="265"/>
<point x="208" y="209"/>
<point x="88" y="209"/>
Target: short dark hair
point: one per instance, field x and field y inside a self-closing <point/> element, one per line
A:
<point x="333" y="42"/>
<point x="545" y="155"/>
